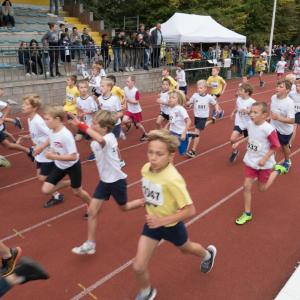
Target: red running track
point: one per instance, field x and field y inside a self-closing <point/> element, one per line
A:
<point x="253" y="261"/>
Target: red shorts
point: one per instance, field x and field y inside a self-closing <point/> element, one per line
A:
<point x="261" y="175"/>
<point x="135" y="117"/>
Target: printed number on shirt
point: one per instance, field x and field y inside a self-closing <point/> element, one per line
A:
<point x="254" y="146"/>
<point x="214" y="84"/>
<point x="201" y="106"/>
<point x="152" y="193"/>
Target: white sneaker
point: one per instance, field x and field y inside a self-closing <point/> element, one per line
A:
<point x="122" y="163"/>
<point x="127" y="69"/>
<point x="27" y="75"/>
<point x="86" y="248"/>
<point x="47" y="74"/>
<point x="131" y="69"/>
<point x="122" y="135"/>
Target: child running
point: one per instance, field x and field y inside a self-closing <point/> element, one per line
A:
<point x="95" y="80"/>
<point x="113" y="180"/>
<point x="283" y="118"/>
<point x="173" y="83"/>
<point x="163" y="100"/>
<point x="217" y="88"/>
<point x="134" y="110"/>
<point x="181" y="78"/>
<point x="241" y="113"/>
<point x="168" y="204"/>
<point x="260" y="68"/>
<point x="64" y="153"/>
<point x="280" y="67"/>
<point x="260" y="157"/>
<point x="295" y="96"/>
<point x="201" y="102"/>
<point x="39" y="134"/>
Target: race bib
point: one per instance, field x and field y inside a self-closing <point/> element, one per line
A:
<point x="201" y="107"/>
<point x="254" y="146"/>
<point x="152" y="192"/>
<point x="214" y="85"/>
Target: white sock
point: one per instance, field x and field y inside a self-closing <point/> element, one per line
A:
<point x="91" y="243"/>
<point x="145" y="292"/>
<point x="207" y="256"/>
<point x="56" y="195"/>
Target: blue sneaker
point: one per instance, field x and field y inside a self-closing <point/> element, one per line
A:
<point x="287" y="164"/>
<point x="221" y="114"/>
<point x="91" y="157"/>
<point x="214" y="116"/>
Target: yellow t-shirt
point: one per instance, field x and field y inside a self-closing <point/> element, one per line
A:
<point x="71" y="95"/>
<point x="173" y="82"/>
<point x="117" y="91"/>
<point x="165" y="192"/>
<point x="216" y="84"/>
<point x="260" y="65"/>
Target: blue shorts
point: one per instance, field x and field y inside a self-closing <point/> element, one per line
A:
<point x="284" y="139"/>
<point x="177" y="234"/>
<point x="117" y="189"/>
<point x="183" y="144"/>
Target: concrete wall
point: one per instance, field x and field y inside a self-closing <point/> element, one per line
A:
<point x="52" y="91"/>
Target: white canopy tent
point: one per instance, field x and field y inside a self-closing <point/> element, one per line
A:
<point x="190" y="28"/>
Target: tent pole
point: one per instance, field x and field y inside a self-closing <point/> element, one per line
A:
<point x="180" y="52"/>
<point x="271" y="34"/>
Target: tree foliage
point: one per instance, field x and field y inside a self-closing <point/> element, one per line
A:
<point x="248" y="17"/>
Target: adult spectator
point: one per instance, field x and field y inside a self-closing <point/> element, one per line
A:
<point x="105" y="51"/>
<point x="118" y="44"/>
<point x="36" y="55"/>
<point x="156" y="40"/>
<point x="139" y="46"/>
<point x="52" y="39"/>
<point x="65" y="53"/>
<point x="23" y="56"/>
<point x="147" y="48"/>
<point x="88" y="44"/>
<point x="8" y="13"/>
<point x="75" y="43"/>
<point x="55" y="4"/>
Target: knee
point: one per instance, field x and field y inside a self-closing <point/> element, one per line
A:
<point x="247" y="188"/>
<point x="138" y="269"/>
<point x="45" y="190"/>
<point x="77" y="192"/>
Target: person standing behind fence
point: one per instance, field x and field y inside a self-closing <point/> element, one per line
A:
<point x="76" y="42"/>
<point x="23" y="56"/>
<point x="156" y="40"/>
<point x="8" y="13"/>
<point x="52" y="38"/>
<point x="105" y="51"/>
<point x="118" y="42"/>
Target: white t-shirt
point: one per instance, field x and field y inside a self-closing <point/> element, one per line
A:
<point x="132" y="94"/>
<point x="180" y="77"/>
<point x="280" y="67"/>
<point x="107" y="159"/>
<point x="297" y="69"/>
<point x="39" y="133"/>
<point x="95" y="82"/>
<point x="63" y="143"/>
<point x="87" y="105"/>
<point x="177" y="115"/>
<point x="241" y="118"/>
<point x="112" y="104"/>
<point x="2" y="106"/>
<point x="285" y="108"/>
<point x="164" y="97"/>
<point x="296" y="98"/>
<point x="201" y="104"/>
<point x="258" y="145"/>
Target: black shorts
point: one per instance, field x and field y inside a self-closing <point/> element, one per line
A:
<point x="95" y="92"/>
<point x="241" y="131"/>
<point x="165" y="116"/>
<point x="73" y="172"/>
<point x="184" y="89"/>
<point x="284" y="139"/>
<point x="117" y="131"/>
<point x="3" y="135"/>
<point x="177" y="234"/>
<point x="200" y="123"/>
<point x="297" y="118"/>
<point x="45" y="167"/>
<point x="66" y="58"/>
<point x="116" y="189"/>
<point x="217" y="95"/>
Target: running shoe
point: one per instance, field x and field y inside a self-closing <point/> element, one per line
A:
<point x="244" y="218"/>
<point x="152" y="294"/>
<point x="280" y="169"/>
<point x="221" y="114"/>
<point x="233" y="156"/>
<point x="144" y="138"/>
<point x="18" y="123"/>
<point x="214" y="116"/>
<point x="4" y="162"/>
<point x="53" y="201"/>
<point x="191" y="153"/>
<point x="30" y="154"/>
<point x="91" y="157"/>
<point x="9" y="264"/>
<point x="207" y="265"/>
<point x="30" y="270"/>
<point x="87" y="248"/>
<point x="122" y="163"/>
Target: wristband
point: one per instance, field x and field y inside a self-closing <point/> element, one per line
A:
<point x="83" y="127"/>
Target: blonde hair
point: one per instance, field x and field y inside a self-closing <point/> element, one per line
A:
<point x="263" y="106"/>
<point x="55" y="111"/>
<point x="216" y="68"/>
<point x="108" y="82"/>
<point x="34" y="100"/>
<point x="105" y="119"/>
<point x="290" y="77"/>
<point x="287" y="83"/>
<point x="165" y="137"/>
<point x="83" y="81"/>
<point x="202" y="82"/>
<point x="180" y="97"/>
<point x="97" y="67"/>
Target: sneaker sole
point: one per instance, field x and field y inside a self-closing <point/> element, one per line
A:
<point x="15" y="261"/>
<point x="242" y="223"/>
<point x="91" y="252"/>
<point x="213" y="251"/>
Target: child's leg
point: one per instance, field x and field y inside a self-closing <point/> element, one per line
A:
<point x="133" y="204"/>
<point x="159" y="122"/>
<point x="264" y="186"/>
<point x="195" y="141"/>
<point x="13" y="146"/>
<point x="146" y="247"/>
<point x="140" y="126"/>
<point x="82" y="194"/>
<point x="49" y="188"/>
<point x="194" y="249"/>
<point x="248" y="183"/>
<point x="127" y="122"/>
<point x="294" y="135"/>
<point x="93" y="212"/>
<point x="4" y="251"/>
<point x="286" y="152"/>
<point x="11" y="137"/>
<point x="234" y="138"/>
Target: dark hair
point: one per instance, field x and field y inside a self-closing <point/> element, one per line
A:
<point x="61" y="25"/>
<point x="247" y="87"/>
<point x="113" y="78"/>
<point x="74" y="28"/>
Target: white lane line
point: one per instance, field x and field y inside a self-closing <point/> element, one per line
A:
<point x="123" y="267"/>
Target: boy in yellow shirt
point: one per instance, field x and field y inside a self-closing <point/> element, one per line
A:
<point x="168" y="204"/>
<point x="217" y="88"/>
<point x="117" y="91"/>
<point x="72" y="94"/>
<point x="260" y="67"/>
<point x="173" y="83"/>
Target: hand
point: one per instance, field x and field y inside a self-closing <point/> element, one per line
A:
<point x="234" y="146"/>
<point x="275" y="116"/>
<point x="50" y="155"/>
<point x="37" y="151"/>
<point x="262" y="162"/>
<point x="153" y="221"/>
<point x="183" y="136"/>
<point x="75" y="121"/>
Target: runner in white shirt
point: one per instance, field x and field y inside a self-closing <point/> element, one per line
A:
<point x="163" y="100"/>
<point x="241" y="112"/>
<point x="113" y="180"/>
<point x="260" y="157"/>
<point x="64" y="153"/>
<point x="201" y="102"/>
<point x="280" y="67"/>
<point x="296" y="68"/>
<point x="95" y="80"/>
<point x="179" y="121"/>
<point x="133" y="112"/>
<point x="181" y="78"/>
<point x="283" y="118"/>
<point x="39" y="134"/>
<point x="295" y="96"/>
